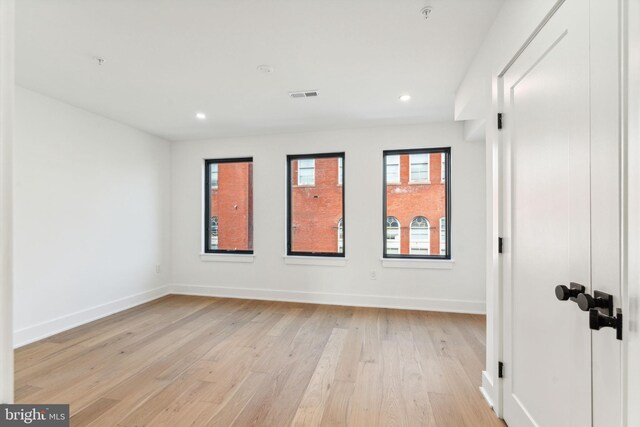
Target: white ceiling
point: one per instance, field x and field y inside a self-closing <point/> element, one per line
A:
<point x="167" y="59"/>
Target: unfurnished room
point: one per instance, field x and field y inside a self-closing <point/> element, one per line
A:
<point x="320" y="213"/>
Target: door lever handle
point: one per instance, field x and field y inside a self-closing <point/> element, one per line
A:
<point x="599" y="299"/>
<point x="563" y="293"/>
<point x="598" y="320"/>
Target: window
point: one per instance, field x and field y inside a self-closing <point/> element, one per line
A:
<point x="393" y="235"/>
<point x="393" y="169"/>
<point x="306" y="172"/>
<point x="416" y="218"/>
<point x="214" y="232"/>
<point x="420" y="236"/>
<point x="339" y="170"/>
<point x="228" y="206"/>
<point x="419" y="168"/>
<point x="315" y="206"/>
<point x="214" y="175"/>
<point x="443" y="236"/>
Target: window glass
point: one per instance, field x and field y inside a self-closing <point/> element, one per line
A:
<point x="443" y="236"/>
<point x="393" y="235"/>
<point x="306" y="172"/>
<point x="214" y="232"/>
<point x="315" y="205"/>
<point x="229" y="206"/>
<point x="416" y="208"/>
<point x="420" y="236"/>
<point x="419" y="165"/>
<point x="393" y="169"/>
<point x="214" y="175"/>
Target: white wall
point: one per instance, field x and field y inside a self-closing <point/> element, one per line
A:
<point x="6" y="207"/>
<point x="513" y="25"/>
<point x="91" y="216"/>
<point x="461" y="288"/>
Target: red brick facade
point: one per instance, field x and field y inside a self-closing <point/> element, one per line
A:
<point x="407" y="200"/>
<point x="316" y="210"/>
<point x="232" y="205"/>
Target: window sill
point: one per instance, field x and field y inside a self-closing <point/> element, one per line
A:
<point x="312" y="260"/>
<point x="433" y="264"/>
<point x="247" y="258"/>
<point x="419" y="182"/>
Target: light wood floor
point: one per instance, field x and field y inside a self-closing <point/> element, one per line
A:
<point x="182" y="360"/>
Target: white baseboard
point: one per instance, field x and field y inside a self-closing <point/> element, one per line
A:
<point x="46" y="329"/>
<point x="404" y="303"/>
<point x="489" y="392"/>
<point x="42" y="330"/>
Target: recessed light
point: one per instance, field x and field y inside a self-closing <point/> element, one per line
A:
<point x="405" y="98"/>
<point x="201" y="116"/>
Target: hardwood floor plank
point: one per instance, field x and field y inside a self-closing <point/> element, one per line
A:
<point x="92" y="412"/>
<point x="347" y="369"/>
<point x="338" y="406"/>
<point x="392" y="411"/>
<point x="367" y="397"/>
<point x="228" y="411"/>
<point x="25" y="391"/>
<point x="316" y="395"/>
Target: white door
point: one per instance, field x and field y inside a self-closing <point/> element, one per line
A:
<point x="550" y="201"/>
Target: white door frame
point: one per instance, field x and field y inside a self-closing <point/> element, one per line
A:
<point x="631" y="209"/>
<point x="6" y="199"/>
<point x="492" y="385"/>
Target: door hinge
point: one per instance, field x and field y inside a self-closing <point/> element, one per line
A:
<point x="499" y="245"/>
<point x="500" y="370"/>
<point x="499" y="121"/>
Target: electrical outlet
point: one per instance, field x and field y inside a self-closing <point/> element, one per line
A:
<point x="373" y="275"/>
<point x="158" y="269"/>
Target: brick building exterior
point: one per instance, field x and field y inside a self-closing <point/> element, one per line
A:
<point x="316" y="210"/>
<point x="408" y="200"/>
<point x="316" y="207"/>
<point x="232" y="207"/>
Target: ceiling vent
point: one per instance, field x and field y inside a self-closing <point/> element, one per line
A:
<point x="303" y="94"/>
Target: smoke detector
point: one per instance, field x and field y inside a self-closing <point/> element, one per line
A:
<point x="426" y="12"/>
<point x="303" y="94"/>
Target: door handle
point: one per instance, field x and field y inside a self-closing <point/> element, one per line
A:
<point x="598" y="320"/>
<point x="563" y="293"/>
<point x="599" y="299"/>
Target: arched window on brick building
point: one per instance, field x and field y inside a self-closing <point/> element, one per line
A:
<point x="443" y="236"/>
<point x="214" y="232"/>
<point x="420" y="236"/>
<point x="393" y="235"/>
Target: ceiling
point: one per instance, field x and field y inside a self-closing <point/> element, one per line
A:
<point x="165" y="60"/>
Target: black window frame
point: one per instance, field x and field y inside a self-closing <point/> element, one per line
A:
<point x="447" y="151"/>
<point x="290" y="159"/>
<point x="207" y="206"/>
